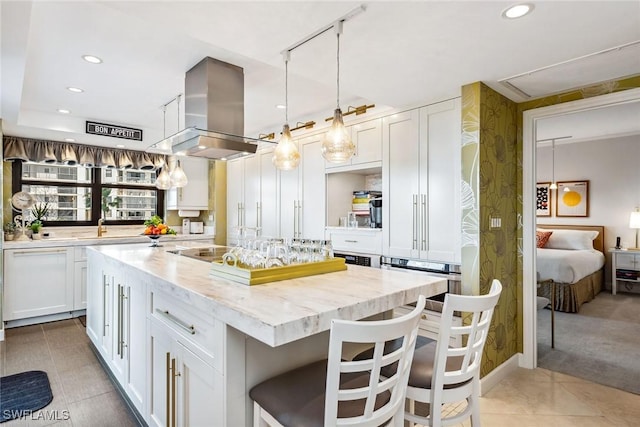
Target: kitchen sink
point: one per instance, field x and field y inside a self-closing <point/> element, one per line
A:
<point x="203" y="254"/>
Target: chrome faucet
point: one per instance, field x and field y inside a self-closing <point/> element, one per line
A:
<point x="101" y="228"/>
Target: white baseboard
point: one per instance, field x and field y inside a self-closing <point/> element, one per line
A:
<point x="498" y="374"/>
<point x="44" y="319"/>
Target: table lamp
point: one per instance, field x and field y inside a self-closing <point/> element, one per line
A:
<point x="634" y="222"/>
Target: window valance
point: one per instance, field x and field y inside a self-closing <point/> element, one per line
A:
<point x="42" y="151"/>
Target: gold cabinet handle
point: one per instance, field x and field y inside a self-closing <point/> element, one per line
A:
<point x="173" y="392"/>
<point x="168" y="390"/>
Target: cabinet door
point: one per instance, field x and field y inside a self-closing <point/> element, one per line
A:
<point x="268" y="212"/>
<point x="195" y="195"/>
<point x="312" y="203"/>
<point x="80" y="285"/>
<point x="108" y="328"/>
<point x="400" y="184"/>
<point x="289" y="201"/>
<point x="251" y="190"/>
<point x="135" y="346"/>
<point x="160" y="378"/>
<point x="440" y="224"/>
<point x="235" y="198"/>
<point x="95" y="301"/>
<point x="199" y="391"/>
<point x="368" y="139"/>
<point x="37" y="282"/>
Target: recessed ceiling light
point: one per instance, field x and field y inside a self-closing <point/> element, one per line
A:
<point x="70" y="140"/>
<point x="119" y="146"/>
<point x="517" y="11"/>
<point x="281" y="106"/>
<point x="63" y="111"/>
<point x="75" y="89"/>
<point x="92" y="59"/>
<point x="224" y="159"/>
<point x="202" y="147"/>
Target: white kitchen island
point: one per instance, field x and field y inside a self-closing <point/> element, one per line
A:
<point x="186" y="347"/>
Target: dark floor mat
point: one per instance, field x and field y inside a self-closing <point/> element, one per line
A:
<point x="23" y="393"/>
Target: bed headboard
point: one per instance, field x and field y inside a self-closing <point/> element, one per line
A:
<point x="598" y="242"/>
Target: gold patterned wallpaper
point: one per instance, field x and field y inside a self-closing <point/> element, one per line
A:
<point x="489" y="165"/>
<point x="492" y="187"/>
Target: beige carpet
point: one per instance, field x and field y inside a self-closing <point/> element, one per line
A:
<point x="601" y="343"/>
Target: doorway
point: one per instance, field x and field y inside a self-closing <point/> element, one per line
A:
<point x="531" y="119"/>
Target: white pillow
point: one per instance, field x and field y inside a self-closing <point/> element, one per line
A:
<point x="571" y="239"/>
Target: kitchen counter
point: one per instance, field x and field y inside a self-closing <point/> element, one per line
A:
<point x="279" y="312"/>
<point x="152" y="313"/>
<point x="94" y="240"/>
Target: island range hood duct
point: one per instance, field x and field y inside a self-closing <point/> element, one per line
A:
<point x="214" y="115"/>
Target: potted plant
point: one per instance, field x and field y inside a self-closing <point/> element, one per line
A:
<point x="40" y="210"/>
<point x="36" y="226"/>
<point x="9" y="230"/>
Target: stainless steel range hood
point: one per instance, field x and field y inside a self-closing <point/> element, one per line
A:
<point x="214" y="115"/>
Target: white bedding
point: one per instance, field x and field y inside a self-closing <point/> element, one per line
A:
<point x="567" y="266"/>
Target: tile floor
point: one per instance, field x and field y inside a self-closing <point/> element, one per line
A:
<point x="84" y="396"/>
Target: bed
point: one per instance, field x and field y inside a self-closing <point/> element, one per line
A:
<point x="572" y="262"/>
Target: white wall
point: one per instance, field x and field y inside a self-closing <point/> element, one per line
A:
<point x="612" y="167"/>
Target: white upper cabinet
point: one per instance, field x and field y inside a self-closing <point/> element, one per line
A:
<point x="195" y="195"/>
<point x="400" y="169"/>
<point x="367" y="136"/>
<point x="303" y="193"/>
<point x="421" y="183"/>
<point x="441" y="133"/>
<point x="251" y="195"/>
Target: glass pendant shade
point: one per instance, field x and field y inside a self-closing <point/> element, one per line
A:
<point x="337" y="146"/>
<point x="178" y="177"/>
<point x="286" y="155"/>
<point x="163" y="181"/>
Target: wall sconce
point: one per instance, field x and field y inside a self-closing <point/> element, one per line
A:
<point x="354" y="110"/>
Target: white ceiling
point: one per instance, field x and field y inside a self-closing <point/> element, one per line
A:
<point x="395" y="54"/>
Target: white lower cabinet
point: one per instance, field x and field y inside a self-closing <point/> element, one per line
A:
<point x="185" y="389"/>
<point x="38" y="282"/>
<point x="80" y="278"/>
<point x="116" y="324"/>
<point x="186" y="345"/>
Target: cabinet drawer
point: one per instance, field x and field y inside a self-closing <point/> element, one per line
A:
<point x="200" y="332"/>
<point x="363" y="242"/>
<point x="627" y="261"/>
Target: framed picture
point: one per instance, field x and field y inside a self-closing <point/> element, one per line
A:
<point x="543" y="199"/>
<point x="572" y="198"/>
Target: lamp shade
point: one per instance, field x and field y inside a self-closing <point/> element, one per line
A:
<point x="337" y="146"/>
<point x="286" y="155"/>
<point x="634" y="220"/>
<point x="178" y="177"/>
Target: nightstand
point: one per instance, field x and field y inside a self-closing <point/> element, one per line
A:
<point x="625" y="268"/>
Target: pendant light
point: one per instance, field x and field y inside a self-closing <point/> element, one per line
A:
<point x="286" y="155"/>
<point x="553" y="185"/>
<point x="163" y="181"/>
<point x="337" y="146"/>
<point x="177" y="176"/>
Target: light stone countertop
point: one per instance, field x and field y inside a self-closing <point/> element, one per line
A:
<point x="278" y="312"/>
<point x="105" y="240"/>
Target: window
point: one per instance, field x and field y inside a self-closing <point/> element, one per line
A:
<point x="79" y="195"/>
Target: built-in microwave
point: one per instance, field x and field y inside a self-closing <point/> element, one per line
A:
<point x="366" y="260"/>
